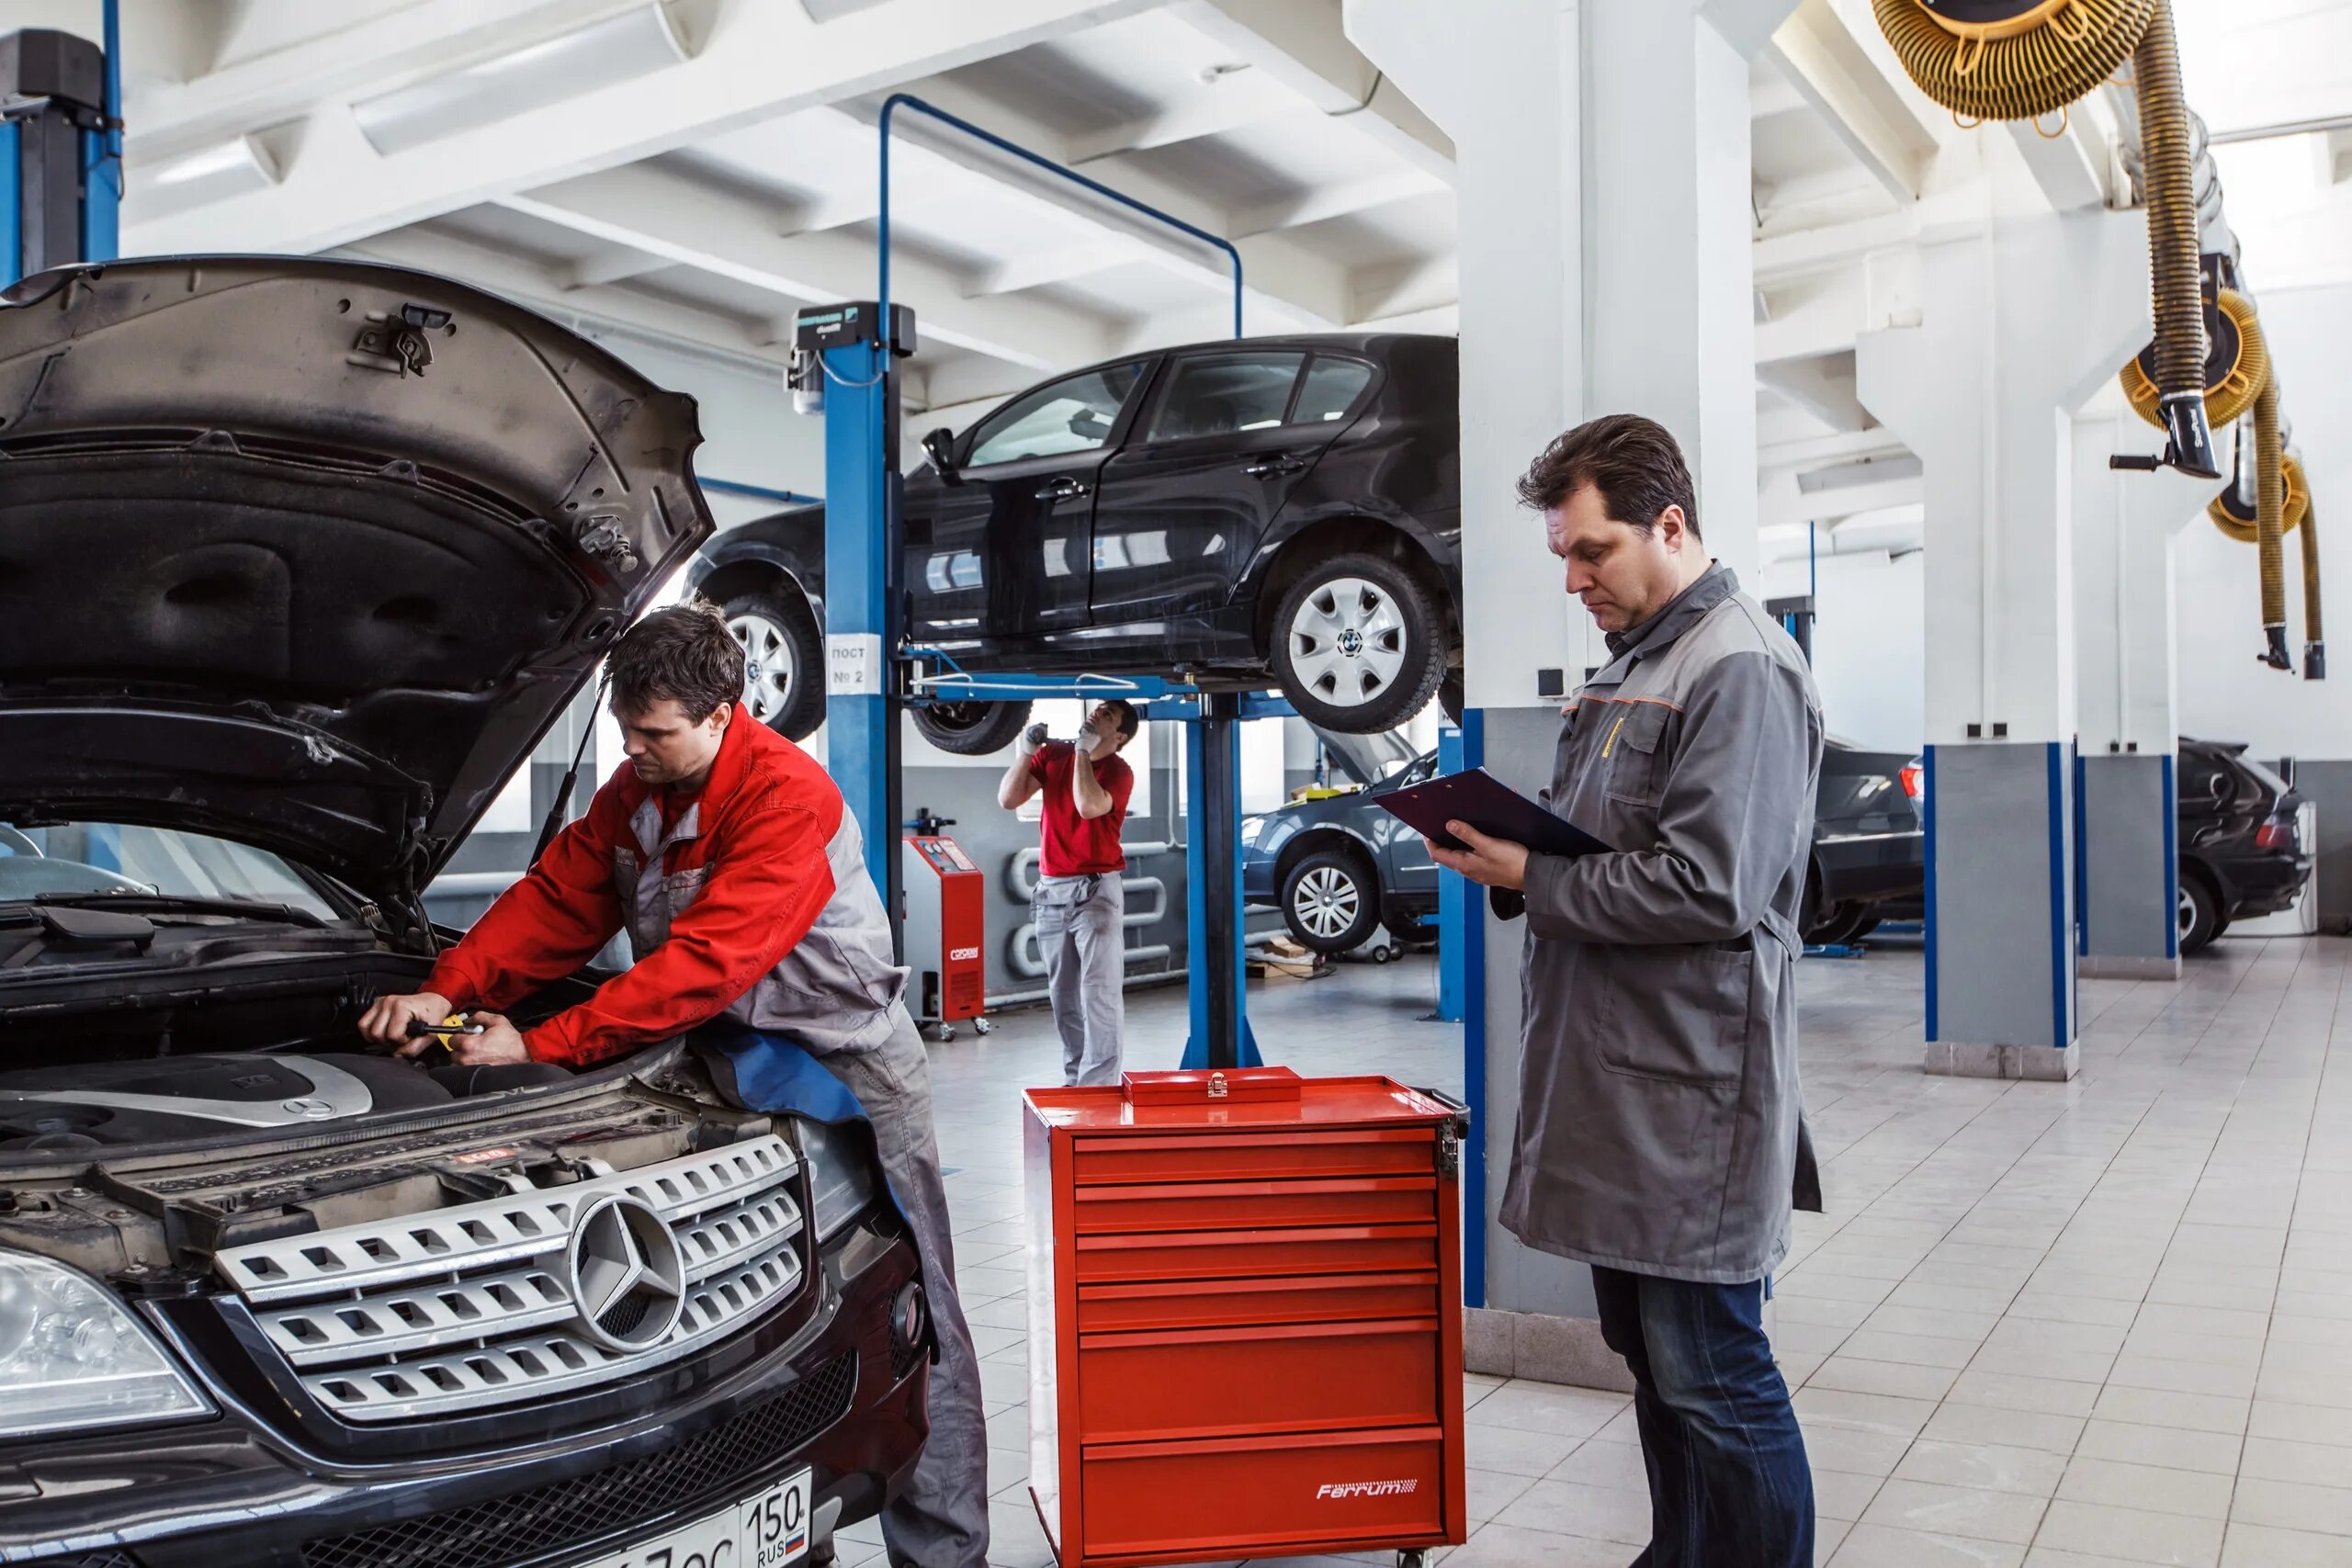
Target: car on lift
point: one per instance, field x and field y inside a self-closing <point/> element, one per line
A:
<point x="1281" y="511"/>
<point x="275" y="629"/>
<point x="1337" y="864"/>
<point x="2239" y="840"/>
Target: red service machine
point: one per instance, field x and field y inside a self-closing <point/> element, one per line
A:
<point x="1245" y="1318"/>
<point x="947" y="919"/>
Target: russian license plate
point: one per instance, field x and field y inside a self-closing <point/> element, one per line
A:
<point x="768" y="1530"/>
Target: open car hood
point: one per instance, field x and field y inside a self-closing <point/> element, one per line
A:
<point x="310" y="553"/>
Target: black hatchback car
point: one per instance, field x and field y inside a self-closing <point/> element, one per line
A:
<point x="2241" y="849"/>
<point x="1274" y="510"/>
<point x="274" y="627"/>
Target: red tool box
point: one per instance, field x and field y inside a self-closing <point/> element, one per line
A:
<point x="1245" y="1318"/>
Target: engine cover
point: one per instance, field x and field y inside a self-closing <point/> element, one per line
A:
<point x="110" y="1104"/>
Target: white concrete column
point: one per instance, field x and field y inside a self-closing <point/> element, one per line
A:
<point x="2125" y="527"/>
<point x="1606" y="238"/>
<point x="2022" y="323"/>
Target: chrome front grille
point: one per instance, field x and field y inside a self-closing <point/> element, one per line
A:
<point x="478" y="1305"/>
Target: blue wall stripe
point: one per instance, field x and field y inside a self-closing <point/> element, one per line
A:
<point x="2171" y="860"/>
<point x="1927" y="825"/>
<point x="1474" y="1053"/>
<point x="2056" y="812"/>
<point x="2082" y="856"/>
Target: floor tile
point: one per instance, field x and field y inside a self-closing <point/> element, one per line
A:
<point x="2262" y="1546"/>
<point x="2012" y="1428"/>
<point x="1992" y="1467"/>
<point x="1935" y="1509"/>
<point x="2170" y="1541"/>
<point x="1857" y="1374"/>
<point x="1566" y="1507"/>
<point x="1514" y="1451"/>
<point x="2327" y="1510"/>
<point x="2310" y="1464"/>
<point x="2215" y="1453"/>
<point x="1864" y="1412"/>
<point x="2146" y="1487"/>
<point x="2155" y="1407"/>
<point x="2049" y="1396"/>
<point x="1536" y="1407"/>
<point x="1499" y="1545"/>
<point x="1876" y="1546"/>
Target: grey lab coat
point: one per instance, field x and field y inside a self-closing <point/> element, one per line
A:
<point x="1658" y="1116"/>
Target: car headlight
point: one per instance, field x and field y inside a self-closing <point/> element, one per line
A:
<point x="840" y="1177"/>
<point x="1249" y="828"/>
<point x="72" y="1356"/>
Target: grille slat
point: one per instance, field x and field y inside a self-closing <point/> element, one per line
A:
<point x="472" y="1306"/>
<point x="709" y="1469"/>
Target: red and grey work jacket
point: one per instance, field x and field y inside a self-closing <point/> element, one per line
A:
<point x="751" y="898"/>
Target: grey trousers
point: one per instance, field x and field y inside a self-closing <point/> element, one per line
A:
<point x="941" y="1519"/>
<point x="1082" y="936"/>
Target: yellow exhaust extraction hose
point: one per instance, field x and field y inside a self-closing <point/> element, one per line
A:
<point x="2270" y="526"/>
<point x="2234" y="516"/>
<point x="2238" y="365"/>
<point x="2030" y="58"/>
<point x="2314" y="633"/>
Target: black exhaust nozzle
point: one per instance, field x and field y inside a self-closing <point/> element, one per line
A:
<point x="2189" y="439"/>
<point x="2275" y="655"/>
<point x="2315" y="662"/>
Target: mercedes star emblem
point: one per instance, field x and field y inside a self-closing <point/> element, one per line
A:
<point x="628" y="1277"/>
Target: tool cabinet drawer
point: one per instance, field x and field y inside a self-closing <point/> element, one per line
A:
<point x="1251" y="1255"/>
<point x="1291" y="1378"/>
<point x="1241" y="1206"/>
<point x="1243" y="1496"/>
<point x="1214" y="1156"/>
<point x="1237" y="1304"/>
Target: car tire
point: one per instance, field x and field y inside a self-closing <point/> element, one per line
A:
<point x="971" y="728"/>
<point x="1330" y="902"/>
<point x="1358" y="645"/>
<point x="1823" y="924"/>
<point x="2199" y="913"/>
<point x="783" y="660"/>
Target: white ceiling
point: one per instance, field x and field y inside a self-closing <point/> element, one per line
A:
<point x="701" y="201"/>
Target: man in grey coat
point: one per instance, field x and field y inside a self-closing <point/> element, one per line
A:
<point x="1659" y="1136"/>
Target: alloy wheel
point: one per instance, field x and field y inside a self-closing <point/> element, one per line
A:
<point x="1326" y="901"/>
<point x="768" y="673"/>
<point x="1348" y="641"/>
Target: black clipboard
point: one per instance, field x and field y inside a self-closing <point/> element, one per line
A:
<point x="1490" y="805"/>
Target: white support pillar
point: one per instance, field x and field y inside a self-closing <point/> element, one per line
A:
<point x="2022" y="323"/>
<point x="1606" y="264"/>
<point x="2125" y="525"/>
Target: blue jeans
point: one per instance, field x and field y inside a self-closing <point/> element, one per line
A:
<point x="1729" y="1484"/>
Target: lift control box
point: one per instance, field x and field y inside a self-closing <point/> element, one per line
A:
<point x="946" y="919"/>
<point x="1244" y="1317"/>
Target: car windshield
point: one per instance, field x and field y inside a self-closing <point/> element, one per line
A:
<point x="68" y="858"/>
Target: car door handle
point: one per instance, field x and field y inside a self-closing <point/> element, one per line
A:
<point x="1062" y="489"/>
<point x="1270" y="468"/>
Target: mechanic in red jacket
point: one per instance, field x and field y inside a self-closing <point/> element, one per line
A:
<point x="730" y="859"/>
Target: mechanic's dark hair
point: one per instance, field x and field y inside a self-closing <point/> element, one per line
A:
<point x="1632" y="461"/>
<point x="1130" y="721"/>
<point x="684" y="653"/>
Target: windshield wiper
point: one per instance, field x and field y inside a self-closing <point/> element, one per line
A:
<point x="168" y="903"/>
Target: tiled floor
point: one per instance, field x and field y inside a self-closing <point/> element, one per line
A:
<point x="2040" y="1327"/>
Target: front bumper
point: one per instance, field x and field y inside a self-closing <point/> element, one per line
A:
<point x="821" y="1385"/>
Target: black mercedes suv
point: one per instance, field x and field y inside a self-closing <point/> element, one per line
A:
<point x="1273" y="511"/>
<point x="297" y="561"/>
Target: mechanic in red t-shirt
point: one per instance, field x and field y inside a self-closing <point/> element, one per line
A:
<point x="1080" y="907"/>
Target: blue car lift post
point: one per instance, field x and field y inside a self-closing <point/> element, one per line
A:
<point x="61" y="184"/>
<point x="869" y="674"/>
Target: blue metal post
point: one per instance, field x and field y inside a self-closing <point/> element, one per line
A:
<point x="1453" y="900"/>
<point x="1461" y="941"/>
<point x="12" y="223"/>
<point x="1220" y="1035"/>
<point x="860" y="731"/>
<point x="102" y="155"/>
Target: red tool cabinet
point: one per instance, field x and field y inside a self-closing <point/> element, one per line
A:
<point x="1245" y="1318"/>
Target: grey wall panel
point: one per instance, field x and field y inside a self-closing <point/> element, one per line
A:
<point x="1993" y="806"/>
<point x="2127" y="903"/>
<point x="2329" y="785"/>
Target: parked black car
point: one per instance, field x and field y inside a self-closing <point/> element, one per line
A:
<point x="1870" y="860"/>
<point x="2240" y="845"/>
<point x="1276" y="511"/>
<point x="1338" y="864"/>
<point x="274" y="627"/>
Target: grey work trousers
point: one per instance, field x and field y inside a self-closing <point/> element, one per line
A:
<point x="941" y="1519"/>
<point x="1082" y="936"/>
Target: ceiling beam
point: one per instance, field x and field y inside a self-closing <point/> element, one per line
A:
<point x="661" y="214"/>
<point x="761" y="58"/>
<point x="2076" y="166"/>
<point x="1229" y="105"/>
<point x="1324" y="202"/>
<point x="618" y="264"/>
<point x="1303" y="44"/>
<point x="1823" y="60"/>
<point x="1048" y="265"/>
<point x="1823" y="386"/>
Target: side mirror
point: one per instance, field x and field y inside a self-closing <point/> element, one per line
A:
<point x="939" y="446"/>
